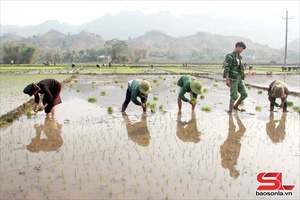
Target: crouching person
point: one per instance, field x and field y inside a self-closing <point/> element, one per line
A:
<point x="137" y="88"/>
<point x="191" y="85"/>
<point x="278" y="89"/>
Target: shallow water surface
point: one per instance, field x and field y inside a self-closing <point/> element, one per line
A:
<point x="88" y="154"/>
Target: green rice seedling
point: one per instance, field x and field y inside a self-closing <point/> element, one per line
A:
<point x="122" y="86"/>
<point x="75" y="81"/>
<point x="110" y="110"/>
<point x="194" y="100"/>
<point x="290" y="103"/>
<point x="117" y="81"/>
<point x="249" y="87"/>
<point x="103" y="93"/>
<point x="296" y="108"/>
<point x="202" y="96"/>
<point x="206" y="108"/>
<point x="94" y="86"/>
<point x="153" y="107"/>
<point x="216" y="80"/>
<point x="154" y="81"/>
<point x="28" y="113"/>
<point x="215" y="85"/>
<point x="71" y="85"/>
<point x="148" y="103"/>
<point x="92" y="99"/>
<point x="204" y="90"/>
<point x="242" y="103"/>
<point x="155" y="98"/>
<point x="93" y="82"/>
<point x="258" y="108"/>
<point x="78" y="90"/>
<point x="157" y="84"/>
<point x="161" y="107"/>
<point x="259" y="91"/>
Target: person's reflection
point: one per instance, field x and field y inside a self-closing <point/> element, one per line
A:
<point x="276" y="133"/>
<point x="53" y="140"/>
<point x="188" y="131"/>
<point x="138" y="132"/>
<point x="230" y="149"/>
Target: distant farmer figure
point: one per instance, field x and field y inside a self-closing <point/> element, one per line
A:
<point x="51" y="89"/>
<point x="234" y="74"/>
<point x="278" y="89"/>
<point x="109" y="64"/>
<point x="73" y="64"/>
<point x="11" y="62"/>
<point x="137" y="88"/>
<point x="191" y="85"/>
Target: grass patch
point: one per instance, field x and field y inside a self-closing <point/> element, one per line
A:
<point x="103" y="93"/>
<point x="259" y="91"/>
<point x="258" y="108"/>
<point x="206" y="108"/>
<point x="92" y="99"/>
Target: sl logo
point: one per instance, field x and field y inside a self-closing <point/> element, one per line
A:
<point x="273" y="181"/>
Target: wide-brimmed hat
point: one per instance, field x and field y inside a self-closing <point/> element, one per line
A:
<point x="278" y="91"/>
<point x="29" y="89"/>
<point x="144" y="87"/>
<point x="196" y="87"/>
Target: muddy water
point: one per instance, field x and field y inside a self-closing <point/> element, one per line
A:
<point x="89" y="154"/>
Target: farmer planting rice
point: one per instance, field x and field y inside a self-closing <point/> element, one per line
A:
<point x="278" y="89"/>
<point x="234" y="74"/>
<point x="188" y="84"/>
<point x="137" y="88"/>
<point x="51" y="89"/>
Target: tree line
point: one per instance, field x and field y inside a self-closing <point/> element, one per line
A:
<point x="115" y="50"/>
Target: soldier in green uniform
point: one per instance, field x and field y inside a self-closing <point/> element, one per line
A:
<point x="234" y="74"/>
<point x="191" y="85"/>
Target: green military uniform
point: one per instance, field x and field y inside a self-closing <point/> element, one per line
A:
<point x="184" y="82"/>
<point x="235" y="70"/>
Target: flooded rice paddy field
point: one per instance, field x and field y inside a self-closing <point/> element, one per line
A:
<point x="87" y="153"/>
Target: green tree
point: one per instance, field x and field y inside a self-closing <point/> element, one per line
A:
<point x="118" y="50"/>
<point x="20" y="53"/>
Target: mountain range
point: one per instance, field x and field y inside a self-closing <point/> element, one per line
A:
<point x="132" y="24"/>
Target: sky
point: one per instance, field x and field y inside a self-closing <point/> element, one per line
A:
<point x="255" y="14"/>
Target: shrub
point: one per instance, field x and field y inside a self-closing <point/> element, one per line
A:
<point x="92" y="99"/>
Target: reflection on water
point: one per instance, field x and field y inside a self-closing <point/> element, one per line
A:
<point x="230" y="149"/>
<point x="188" y="131"/>
<point x="138" y="132"/>
<point x="53" y="140"/>
<point x="276" y="133"/>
